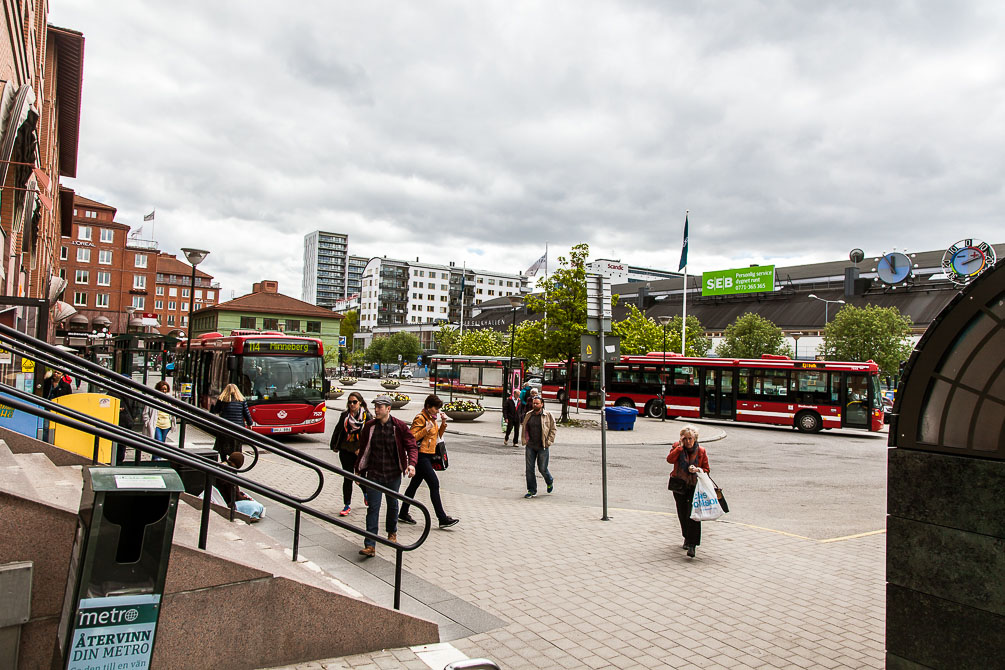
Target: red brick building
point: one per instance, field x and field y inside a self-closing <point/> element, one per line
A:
<point x="116" y="281"/>
<point x="41" y="69"/>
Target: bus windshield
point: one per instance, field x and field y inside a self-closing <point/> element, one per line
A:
<point x="282" y="379"/>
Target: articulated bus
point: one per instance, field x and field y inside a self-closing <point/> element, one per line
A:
<point x="282" y="377"/>
<point x="808" y="395"/>
<point x="474" y="374"/>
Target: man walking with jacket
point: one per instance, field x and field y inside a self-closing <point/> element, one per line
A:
<point x="511" y="413"/>
<point x="538" y="434"/>
<point x="387" y="451"/>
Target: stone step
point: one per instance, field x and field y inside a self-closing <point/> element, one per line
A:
<point x="54" y="485"/>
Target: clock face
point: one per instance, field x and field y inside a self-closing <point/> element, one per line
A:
<point x="893" y="268"/>
<point x="966" y="259"/>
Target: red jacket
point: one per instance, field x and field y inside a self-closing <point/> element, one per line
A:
<point x="700" y="459"/>
<point x="408" y="451"/>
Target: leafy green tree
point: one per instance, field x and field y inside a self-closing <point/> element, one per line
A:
<point x="880" y="334"/>
<point x="698" y="344"/>
<point x="483" y="342"/>
<point x="377" y="351"/>
<point x="401" y="344"/>
<point x="446" y="338"/>
<point x="529" y="342"/>
<point x="564" y="302"/>
<point x="752" y="336"/>
<point x="639" y="333"/>
<point x="349" y="327"/>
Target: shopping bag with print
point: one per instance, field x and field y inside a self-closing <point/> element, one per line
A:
<point x="705" y="505"/>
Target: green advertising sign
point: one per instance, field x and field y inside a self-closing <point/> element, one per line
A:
<point x="756" y="279"/>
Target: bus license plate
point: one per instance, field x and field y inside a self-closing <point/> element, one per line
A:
<point x="283" y="429"/>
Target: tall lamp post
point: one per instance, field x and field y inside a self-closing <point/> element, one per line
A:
<point x="664" y="320"/>
<point x="515" y="302"/>
<point x="795" y="337"/>
<point x="827" y="303"/>
<point x="194" y="256"/>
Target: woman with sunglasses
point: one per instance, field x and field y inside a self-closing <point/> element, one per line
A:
<point x="345" y="441"/>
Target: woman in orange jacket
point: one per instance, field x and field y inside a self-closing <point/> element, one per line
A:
<point x="687" y="458"/>
<point x="427" y="434"/>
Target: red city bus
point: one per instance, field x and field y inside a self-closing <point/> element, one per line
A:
<point x="282" y="377"/>
<point x="474" y="374"/>
<point x="809" y="395"/>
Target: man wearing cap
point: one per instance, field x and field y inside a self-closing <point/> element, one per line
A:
<point x="387" y="451"/>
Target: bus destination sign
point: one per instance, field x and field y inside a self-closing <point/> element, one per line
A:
<point x="281" y="347"/>
<point x="755" y="279"/>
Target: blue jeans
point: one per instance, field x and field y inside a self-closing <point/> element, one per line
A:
<point x="252" y="508"/>
<point x="538" y="457"/>
<point x="374" y="497"/>
<point x="161" y="434"/>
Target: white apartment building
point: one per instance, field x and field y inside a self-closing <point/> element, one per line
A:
<point x="401" y="293"/>
<point x="325" y="268"/>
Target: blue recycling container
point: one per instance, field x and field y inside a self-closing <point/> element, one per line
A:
<point x="620" y="418"/>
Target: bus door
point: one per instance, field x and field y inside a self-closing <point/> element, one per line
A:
<point x="856" y="404"/>
<point x="718" y="394"/>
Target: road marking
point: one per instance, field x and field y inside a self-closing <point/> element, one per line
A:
<point x="852" y="537"/>
<point x="748" y="525"/>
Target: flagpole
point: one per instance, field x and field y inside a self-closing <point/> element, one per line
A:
<point x="683" y="325"/>
<point x="464" y="279"/>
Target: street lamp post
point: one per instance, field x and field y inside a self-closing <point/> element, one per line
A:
<point x="515" y="302"/>
<point x="664" y="320"/>
<point x="795" y="338"/>
<point x="826" y="303"/>
<point x="194" y="256"/>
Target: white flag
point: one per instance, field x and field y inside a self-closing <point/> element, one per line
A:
<point x="540" y="263"/>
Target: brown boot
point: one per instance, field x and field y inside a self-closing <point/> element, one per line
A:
<point x="393" y="537"/>
<point x="368" y="552"/>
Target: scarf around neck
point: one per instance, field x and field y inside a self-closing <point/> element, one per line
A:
<point x="354" y="423"/>
<point x="686" y="458"/>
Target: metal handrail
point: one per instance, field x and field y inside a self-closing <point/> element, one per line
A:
<point x="18" y="342"/>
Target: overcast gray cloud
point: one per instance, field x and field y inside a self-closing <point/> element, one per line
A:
<point x="476" y="132"/>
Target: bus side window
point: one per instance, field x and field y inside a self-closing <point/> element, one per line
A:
<point x="744" y="391"/>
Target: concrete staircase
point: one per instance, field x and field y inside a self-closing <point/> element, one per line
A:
<point x="242" y="603"/>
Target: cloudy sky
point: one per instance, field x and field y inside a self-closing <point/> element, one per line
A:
<point x="479" y="131"/>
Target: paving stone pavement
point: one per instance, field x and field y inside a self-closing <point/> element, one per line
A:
<point x="578" y="592"/>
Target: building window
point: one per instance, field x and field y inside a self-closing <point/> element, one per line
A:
<point x="160" y="290"/>
<point x="293" y="325"/>
<point x="158" y="304"/>
<point x="210" y="295"/>
<point x="104" y="278"/>
<point x="172" y="292"/>
<point x="249" y="322"/>
<point x="139" y="281"/>
<point x="184" y="320"/>
<point x="313" y="326"/>
<point x="170" y="319"/>
<point x="105" y="256"/>
<point x="172" y="305"/>
<point x="270" y="324"/>
<point x="81" y="277"/>
<point x="141" y="260"/>
<point x="101" y="300"/>
<point x="90" y="214"/>
<point x="80" y="298"/>
<point x="83" y="232"/>
<point x="139" y="302"/>
<point x="184" y="293"/>
<point x="83" y="255"/>
<point x="430" y="308"/>
<point x="184" y="306"/>
<point x="107" y="235"/>
<point x="64" y="253"/>
<point x="198" y="294"/>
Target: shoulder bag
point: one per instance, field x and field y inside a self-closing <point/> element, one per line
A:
<point x="676" y="484"/>
<point x="439" y="460"/>
<point x="720" y="496"/>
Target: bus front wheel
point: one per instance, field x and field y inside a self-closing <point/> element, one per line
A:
<point x="624" y="402"/>
<point x="654" y="409"/>
<point x="808" y="422"/>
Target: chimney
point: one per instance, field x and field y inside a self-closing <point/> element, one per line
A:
<point x="265" y="286"/>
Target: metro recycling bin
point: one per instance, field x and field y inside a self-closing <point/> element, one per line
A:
<point x="620" y="418"/>
<point x="118" y="566"/>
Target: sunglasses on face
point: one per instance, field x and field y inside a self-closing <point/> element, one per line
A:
<point x="354" y="402"/>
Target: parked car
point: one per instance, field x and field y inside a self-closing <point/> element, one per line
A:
<point x="535" y="382"/>
<point x="403" y="374"/>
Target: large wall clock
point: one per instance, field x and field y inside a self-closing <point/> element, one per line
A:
<point x="893" y="268"/>
<point x="966" y="259"/>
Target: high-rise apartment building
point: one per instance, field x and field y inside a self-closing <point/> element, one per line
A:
<point x="325" y="268"/>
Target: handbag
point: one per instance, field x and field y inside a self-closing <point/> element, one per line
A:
<point x="676" y="484"/>
<point x="439" y="460"/>
<point x="721" y="497"/>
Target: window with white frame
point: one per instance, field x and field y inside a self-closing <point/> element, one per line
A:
<point x="105" y="256"/>
<point x="184" y="293"/>
<point x="140" y="261"/>
<point x="172" y="305"/>
<point x="172" y="292"/>
<point x="101" y="299"/>
<point x="107" y="235"/>
<point x="83" y="255"/>
<point x="170" y="319"/>
<point x="81" y="277"/>
<point x="64" y="253"/>
<point x="198" y="294"/>
<point x="160" y="290"/>
<point x="104" y="278"/>
<point x="80" y="298"/>
<point x="139" y="302"/>
<point x="184" y="307"/>
<point x="139" y="281"/>
<point x="83" y="232"/>
<point x="158" y="304"/>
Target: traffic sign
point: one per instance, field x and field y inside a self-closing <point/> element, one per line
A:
<point x="589" y="348"/>
<point x="341" y="340"/>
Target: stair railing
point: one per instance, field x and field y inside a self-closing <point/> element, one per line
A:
<point x="29" y="347"/>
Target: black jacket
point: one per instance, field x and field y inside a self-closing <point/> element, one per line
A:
<point x="341" y="439"/>
<point x="235" y="411"/>
<point x="510" y="411"/>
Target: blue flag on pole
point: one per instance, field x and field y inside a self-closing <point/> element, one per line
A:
<point x="683" y="249"/>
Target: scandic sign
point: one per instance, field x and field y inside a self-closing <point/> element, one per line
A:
<point x="756" y="279"/>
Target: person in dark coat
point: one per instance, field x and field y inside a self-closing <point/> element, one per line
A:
<point x="511" y="413"/>
<point x="231" y="406"/>
<point x="345" y="442"/>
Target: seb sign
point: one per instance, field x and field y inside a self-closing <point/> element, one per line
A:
<point x="756" y="279"/>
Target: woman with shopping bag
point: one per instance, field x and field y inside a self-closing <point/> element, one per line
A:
<point x="688" y="459"/>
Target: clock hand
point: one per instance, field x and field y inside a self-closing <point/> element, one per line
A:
<point x="973" y="258"/>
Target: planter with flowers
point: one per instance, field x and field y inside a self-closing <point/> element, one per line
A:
<point x="347" y="381"/>
<point x="463" y="410"/>
<point x="397" y="399"/>
<point x="390" y="383"/>
<point x="334" y="393"/>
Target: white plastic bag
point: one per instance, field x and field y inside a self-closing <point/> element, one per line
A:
<point x="705" y="505"/>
